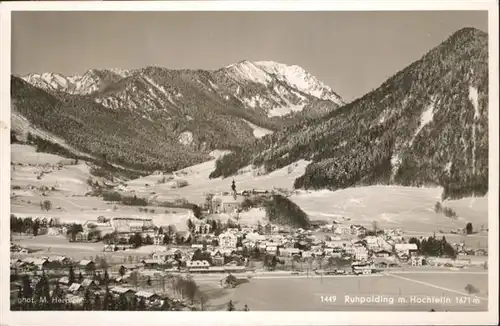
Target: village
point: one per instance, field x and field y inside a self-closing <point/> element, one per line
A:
<point x="147" y="266"/>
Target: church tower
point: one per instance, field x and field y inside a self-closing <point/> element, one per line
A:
<point x="233" y="188"/>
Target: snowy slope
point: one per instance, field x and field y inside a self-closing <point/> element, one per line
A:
<point x="299" y="78"/>
<point x="87" y="83"/>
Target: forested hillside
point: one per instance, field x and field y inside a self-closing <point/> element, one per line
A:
<point x="118" y="137"/>
<point x="161" y="119"/>
<point x="426" y="125"/>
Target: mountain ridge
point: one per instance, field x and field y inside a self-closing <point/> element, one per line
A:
<point x="404" y="132"/>
<point x="169" y="118"/>
<point x="59" y="82"/>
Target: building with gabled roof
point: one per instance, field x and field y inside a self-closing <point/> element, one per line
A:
<point x="75" y="287"/>
<point x="88" y="283"/>
<point x="122" y="290"/>
<point x="405" y="248"/>
<point x="148" y="296"/>
<point x="225" y="204"/>
<point x="63" y="280"/>
<point x="197" y="264"/>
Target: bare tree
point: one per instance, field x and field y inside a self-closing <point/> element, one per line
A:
<point x="202" y="298"/>
<point x="190" y="288"/>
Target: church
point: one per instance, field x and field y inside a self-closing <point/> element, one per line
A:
<point x="226" y="203"/>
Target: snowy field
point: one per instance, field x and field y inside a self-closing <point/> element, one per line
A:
<point x="411" y="209"/>
<point x="393" y="206"/>
<point x="58" y="245"/>
<point x="302" y="294"/>
<point x="68" y="200"/>
<point x="79" y="210"/>
<point x="28" y="155"/>
<point x="199" y="183"/>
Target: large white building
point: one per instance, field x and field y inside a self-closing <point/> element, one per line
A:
<point x="405" y="248"/>
<point x="202" y="228"/>
<point x="225" y="204"/>
<point x="360" y="253"/>
<point x="228" y="240"/>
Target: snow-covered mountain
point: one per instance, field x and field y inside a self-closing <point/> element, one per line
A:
<point x="85" y="84"/>
<point x="426" y="125"/>
<point x="267" y="87"/>
<point x="158" y="118"/>
<point x="294" y="76"/>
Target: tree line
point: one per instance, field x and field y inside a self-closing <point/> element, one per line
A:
<point x="435" y="247"/>
<point x="280" y="210"/>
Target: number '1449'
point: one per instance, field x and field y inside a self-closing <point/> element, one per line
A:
<point x="328" y="298"/>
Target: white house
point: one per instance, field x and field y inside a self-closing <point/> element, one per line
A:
<point x="158" y="239"/>
<point x="272" y="250"/>
<point x="405" y="248"/>
<point x="416" y="261"/>
<point x="362" y="268"/>
<point x="287" y="252"/>
<point x="147" y="296"/>
<point x="306" y="254"/>
<point x="342" y="230"/>
<point x="225" y="204"/>
<point x="197" y="265"/>
<point x="338" y="244"/>
<point x="247" y="229"/>
<point x="227" y="240"/>
<point x="202" y="228"/>
<point x="255" y="237"/>
<point x="360" y="253"/>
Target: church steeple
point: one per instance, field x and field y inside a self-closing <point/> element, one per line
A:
<point x="233" y="188"/>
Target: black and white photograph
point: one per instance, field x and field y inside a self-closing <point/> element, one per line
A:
<point x="266" y="160"/>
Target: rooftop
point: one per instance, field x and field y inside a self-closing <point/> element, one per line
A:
<point x="119" y="289"/>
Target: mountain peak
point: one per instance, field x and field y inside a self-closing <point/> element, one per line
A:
<point x="264" y="71"/>
<point x="469" y="37"/>
<point x="472" y="31"/>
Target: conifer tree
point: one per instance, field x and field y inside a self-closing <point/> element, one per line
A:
<point x="87" y="304"/>
<point x="123" y="303"/>
<point x="165" y="306"/>
<point x="71" y="276"/>
<point x="57" y="296"/>
<point x="142" y="304"/>
<point x="19" y="292"/>
<point x="106" y="277"/>
<point x="45" y="291"/>
<point x="135" y="304"/>
<point x="27" y="289"/>
<point x="97" y="303"/>
<point x="106" y="302"/>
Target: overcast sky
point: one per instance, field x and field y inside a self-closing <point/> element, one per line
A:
<point x="352" y="52"/>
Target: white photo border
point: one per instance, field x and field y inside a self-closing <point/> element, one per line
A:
<point x="249" y="318"/>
